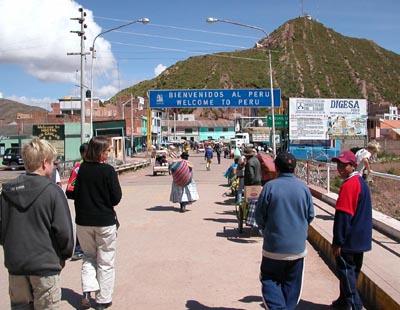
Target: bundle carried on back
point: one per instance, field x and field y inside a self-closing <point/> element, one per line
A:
<point x="181" y="173"/>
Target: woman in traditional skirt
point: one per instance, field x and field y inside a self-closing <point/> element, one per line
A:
<point x="184" y="195"/>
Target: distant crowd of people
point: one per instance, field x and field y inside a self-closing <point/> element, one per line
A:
<point x="37" y="233"/>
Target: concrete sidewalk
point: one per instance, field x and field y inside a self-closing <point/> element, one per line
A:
<point x="195" y="260"/>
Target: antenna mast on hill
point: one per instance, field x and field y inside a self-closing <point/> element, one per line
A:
<point x="302" y="7"/>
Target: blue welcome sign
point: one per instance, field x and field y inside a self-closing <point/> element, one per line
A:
<point x="214" y="98"/>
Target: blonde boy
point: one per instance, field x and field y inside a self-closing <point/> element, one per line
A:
<point x="36" y="231"/>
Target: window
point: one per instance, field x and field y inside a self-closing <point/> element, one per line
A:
<point x="2" y="149"/>
<point x="210" y="129"/>
<point x="188" y="130"/>
<point x="225" y="129"/>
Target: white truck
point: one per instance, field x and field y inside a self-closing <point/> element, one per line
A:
<point x="240" y="139"/>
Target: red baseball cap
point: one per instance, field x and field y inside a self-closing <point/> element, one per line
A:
<point x="346" y="157"/>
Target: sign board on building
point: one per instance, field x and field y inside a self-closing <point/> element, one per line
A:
<point x="24" y="116"/>
<point x="281" y="120"/>
<point x="53" y="133"/>
<point x="213" y="98"/>
<point x="323" y="119"/>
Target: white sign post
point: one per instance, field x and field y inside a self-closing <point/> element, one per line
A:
<point x="324" y="119"/>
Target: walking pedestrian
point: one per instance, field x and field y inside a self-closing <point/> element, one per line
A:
<point x="97" y="192"/>
<point x="184" y="189"/>
<point x="284" y="211"/>
<point x="252" y="170"/>
<point x="55" y="175"/>
<point x="352" y="230"/>
<point x="208" y="155"/>
<point x="36" y="231"/>
<point x="78" y="253"/>
<point x="217" y="149"/>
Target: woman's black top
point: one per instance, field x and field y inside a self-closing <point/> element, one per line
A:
<point x="96" y="193"/>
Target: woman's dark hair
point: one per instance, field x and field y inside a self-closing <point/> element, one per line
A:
<point x="185" y="155"/>
<point x="83" y="149"/>
<point x="97" y="145"/>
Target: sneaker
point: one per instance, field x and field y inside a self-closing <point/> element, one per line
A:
<point x="85" y="301"/>
<point x="77" y="256"/>
<point x="103" y="306"/>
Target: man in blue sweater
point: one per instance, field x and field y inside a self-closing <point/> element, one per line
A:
<point x="283" y="213"/>
<point x="352" y="230"/>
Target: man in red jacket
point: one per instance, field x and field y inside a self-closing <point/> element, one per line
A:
<point x="352" y="230"/>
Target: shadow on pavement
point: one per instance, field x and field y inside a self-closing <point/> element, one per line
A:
<point x="252" y="298"/>
<point x="221" y="220"/>
<point x="232" y="234"/>
<point x="230" y="201"/>
<point x="195" y="305"/>
<point x="308" y="305"/>
<point x="325" y="217"/>
<point x="72" y="297"/>
<point x="165" y="208"/>
<point x="227" y="212"/>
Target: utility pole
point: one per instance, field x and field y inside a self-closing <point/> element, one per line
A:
<point x="131" y="125"/>
<point x="81" y="34"/>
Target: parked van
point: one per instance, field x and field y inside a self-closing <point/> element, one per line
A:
<point x="12" y="158"/>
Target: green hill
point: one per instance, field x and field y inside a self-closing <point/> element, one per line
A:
<point x="308" y="60"/>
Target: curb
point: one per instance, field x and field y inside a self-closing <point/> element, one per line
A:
<point x="373" y="295"/>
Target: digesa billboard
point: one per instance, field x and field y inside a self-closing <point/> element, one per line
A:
<point x="323" y="119"/>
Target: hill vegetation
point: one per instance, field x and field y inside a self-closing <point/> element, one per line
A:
<point x="308" y="60"/>
<point x="10" y="108"/>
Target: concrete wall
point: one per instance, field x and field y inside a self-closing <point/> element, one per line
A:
<point x="216" y="134"/>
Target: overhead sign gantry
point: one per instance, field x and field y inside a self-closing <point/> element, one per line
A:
<point x="213" y="98"/>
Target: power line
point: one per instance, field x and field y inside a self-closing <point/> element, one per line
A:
<point x="183" y="28"/>
<point x="179" y="39"/>
<point x="186" y="51"/>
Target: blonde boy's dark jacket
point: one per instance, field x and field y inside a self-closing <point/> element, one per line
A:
<point x="36" y="227"/>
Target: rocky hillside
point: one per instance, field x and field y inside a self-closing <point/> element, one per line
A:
<point x="308" y="60"/>
<point x="9" y="110"/>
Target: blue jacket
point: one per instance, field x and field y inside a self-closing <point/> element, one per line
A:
<point x="208" y="154"/>
<point x="283" y="212"/>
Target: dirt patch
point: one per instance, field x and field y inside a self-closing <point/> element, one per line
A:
<point x="385" y="192"/>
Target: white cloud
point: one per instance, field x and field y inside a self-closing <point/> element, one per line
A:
<point x="1" y="95"/>
<point x="35" y="34"/>
<point x="36" y="102"/>
<point x="159" y="69"/>
<point x="106" y="91"/>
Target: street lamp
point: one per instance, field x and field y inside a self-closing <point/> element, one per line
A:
<point x="216" y="20"/>
<point x="144" y="21"/>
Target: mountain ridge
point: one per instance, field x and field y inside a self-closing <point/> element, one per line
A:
<point x="308" y="60"/>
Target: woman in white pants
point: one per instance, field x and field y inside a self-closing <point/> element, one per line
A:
<point x="96" y="193"/>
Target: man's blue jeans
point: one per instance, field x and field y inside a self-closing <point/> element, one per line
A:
<point x="348" y="269"/>
<point x="281" y="282"/>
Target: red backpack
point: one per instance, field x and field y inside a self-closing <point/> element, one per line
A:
<point x="268" y="169"/>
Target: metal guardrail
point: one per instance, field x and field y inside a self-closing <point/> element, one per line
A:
<point x="319" y="173"/>
<point x="66" y="167"/>
<point x="132" y="166"/>
<point x="386" y="175"/>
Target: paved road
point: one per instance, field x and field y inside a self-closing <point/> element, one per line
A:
<point x="194" y="260"/>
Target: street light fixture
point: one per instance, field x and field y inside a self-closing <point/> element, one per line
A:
<point x="144" y="21"/>
<point x="212" y="20"/>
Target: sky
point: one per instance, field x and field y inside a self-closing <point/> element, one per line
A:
<point x="35" y="38"/>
